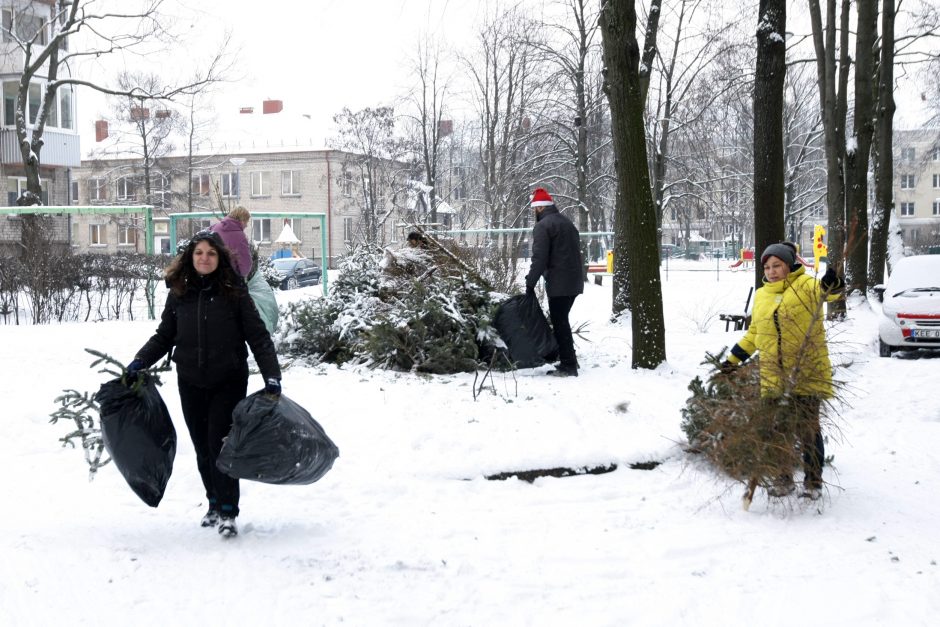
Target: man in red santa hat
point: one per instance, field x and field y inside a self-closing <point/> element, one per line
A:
<point x="556" y="255"/>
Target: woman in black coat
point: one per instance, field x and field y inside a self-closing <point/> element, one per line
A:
<point x="207" y="320"/>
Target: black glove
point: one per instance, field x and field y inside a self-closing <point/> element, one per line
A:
<point x="133" y="370"/>
<point x="727" y="367"/>
<point x="829" y="281"/>
<point x="273" y="386"/>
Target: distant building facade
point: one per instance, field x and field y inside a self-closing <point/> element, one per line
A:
<point x="917" y="188"/>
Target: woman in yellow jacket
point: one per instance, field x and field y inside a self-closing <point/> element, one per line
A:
<point x="787" y="329"/>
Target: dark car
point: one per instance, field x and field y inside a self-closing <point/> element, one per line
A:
<point x="296" y="272"/>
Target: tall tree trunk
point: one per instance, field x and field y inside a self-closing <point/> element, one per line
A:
<point x="832" y="104"/>
<point x="884" y="165"/>
<point x="857" y="156"/>
<point x="636" y="248"/>
<point x="768" y="128"/>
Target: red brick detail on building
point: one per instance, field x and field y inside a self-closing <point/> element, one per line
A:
<point x="101" y="130"/>
<point x="272" y="106"/>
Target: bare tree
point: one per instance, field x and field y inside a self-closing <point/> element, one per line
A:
<point x="768" y="127"/>
<point x="47" y="55"/>
<point x="428" y="102"/>
<point x="882" y="151"/>
<point x="636" y="252"/>
<point x="859" y="150"/>
<point x="373" y="161"/>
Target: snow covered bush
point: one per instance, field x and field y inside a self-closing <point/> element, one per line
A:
<point x="412" y="309"/>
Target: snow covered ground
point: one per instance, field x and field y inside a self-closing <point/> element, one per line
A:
<point x="405" y="530"/>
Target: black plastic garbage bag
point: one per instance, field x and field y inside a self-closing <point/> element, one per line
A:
<point x="138" y="435"/>
<point x="522" y="326"/>
<point x="275" y="440"/>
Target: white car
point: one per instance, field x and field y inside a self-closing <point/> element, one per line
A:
<point x="911" y="305"/>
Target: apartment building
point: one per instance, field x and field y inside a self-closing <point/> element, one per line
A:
<point x="917" y="187"/>
<point x="22" y="21"/>
<point x="269" y="164"/>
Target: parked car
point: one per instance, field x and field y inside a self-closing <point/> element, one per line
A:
<point x="296" y="272"/>
<point x="911" y="305"/>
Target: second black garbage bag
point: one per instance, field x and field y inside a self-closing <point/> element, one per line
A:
<point x="275" y="440"/>
<point x="521" y="324"/>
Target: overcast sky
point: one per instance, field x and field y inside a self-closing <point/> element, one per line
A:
<point x="319" y="56"/>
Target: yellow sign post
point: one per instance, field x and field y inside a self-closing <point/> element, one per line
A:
<point x="820" y="251"/>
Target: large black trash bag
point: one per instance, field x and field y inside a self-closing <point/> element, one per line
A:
<point x="522" y="326"/>
<point x="138" y="435"/>
<point x="275" y="440"/>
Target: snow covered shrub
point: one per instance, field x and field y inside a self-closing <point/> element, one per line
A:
<point x="409" y="309"/>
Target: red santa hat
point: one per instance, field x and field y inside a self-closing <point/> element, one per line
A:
<point x="540" y="198"/>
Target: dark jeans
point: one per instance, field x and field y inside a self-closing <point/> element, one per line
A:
<point x="558" y="308"/>
<point x="810" y="435"/>
<point x="208" y="414"/>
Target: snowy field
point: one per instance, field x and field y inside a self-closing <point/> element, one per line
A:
<point x="406" y="529"/>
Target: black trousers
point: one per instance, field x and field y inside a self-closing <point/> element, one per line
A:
<point x="208" y="415"/>
<point x="814" y="450"/>
<point x="558" y="308"/>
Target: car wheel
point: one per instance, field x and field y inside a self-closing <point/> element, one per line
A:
<point x="884" y="350"/>
<point x="292" y="283"/>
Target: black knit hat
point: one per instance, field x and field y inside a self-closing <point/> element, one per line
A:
<point x="785" y="252"/>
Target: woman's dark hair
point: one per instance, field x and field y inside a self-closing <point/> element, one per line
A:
<point x="181" y="273"/>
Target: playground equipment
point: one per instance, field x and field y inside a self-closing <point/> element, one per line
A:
<point x="746" y="259"/>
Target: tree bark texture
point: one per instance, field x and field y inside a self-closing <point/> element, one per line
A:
<point x="857" y="158"/>
<point x="636" y="246"/>
<point x="768" y="128"/>
<point x="884" y="164"/>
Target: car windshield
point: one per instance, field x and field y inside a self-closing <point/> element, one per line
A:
<point x="919" y="271"/>
<point x="284" y="265"/>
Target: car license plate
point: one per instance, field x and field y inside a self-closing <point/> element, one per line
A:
<point x="925" y="333"/>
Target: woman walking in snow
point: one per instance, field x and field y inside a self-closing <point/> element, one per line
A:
<point x="787" y="329"/>
<point x="208" y="318"/>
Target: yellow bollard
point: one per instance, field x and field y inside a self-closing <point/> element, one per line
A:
<point x="610" y="262"/>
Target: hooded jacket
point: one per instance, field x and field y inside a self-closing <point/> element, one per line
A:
<point x="233" y="236"/>
<point x="556" y="255"/>
<point x="209" y="332"/>
<point x="787" y="329"/>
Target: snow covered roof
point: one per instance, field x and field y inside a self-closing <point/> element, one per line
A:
<point x="231" y="133"/>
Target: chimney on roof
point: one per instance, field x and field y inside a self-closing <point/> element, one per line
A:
<point x="140" y="113"/>
<point x="272" y="106"/>
<point x="247" y="110"/>
<point x="101" y="130"/>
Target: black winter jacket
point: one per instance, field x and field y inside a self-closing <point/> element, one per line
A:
<point x="209" y="332"/>
<point x="556" y="255"/>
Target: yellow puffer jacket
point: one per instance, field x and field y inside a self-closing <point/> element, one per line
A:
<point x="787" y="329"/>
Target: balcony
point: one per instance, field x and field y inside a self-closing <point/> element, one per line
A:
<point x="59" y="148"/>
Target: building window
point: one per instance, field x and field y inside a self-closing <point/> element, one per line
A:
<point x="66" y="117"/>
<point x="908" y="154"/>
<point x="936" y="181"/>
<point x="936" y="207"/>
<point x="160" y="189"/>
<point x="125" y="235"/>
<point x="201" y="184"/>
<point x="907" y="209"/>
<point x="96" y="235"/>
<point x="73" y="193"/>
<point x="24" y="27"/>
<point x="936" y="154"/>
<point x="34" y="95"/>
<point x="9" y="103"/>
<point x="261" y="230"/>
<point x="126" y="188"/>
<point x="348" y="232"/>
<point x="290" y="182"/>
<point x="259" y="184"/>
<point x="907" y="181"/>
<point x="347" y="184"/>
<point x="97" y="190"/>
<point x="230" y="185"/>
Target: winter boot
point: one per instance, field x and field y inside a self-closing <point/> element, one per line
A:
<point x="563" y="371"/>
<point x="812" y="486"/>
<point x="781" y="487"/>
<point x="227" y="527"/>
<point x="211" y="519"/>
